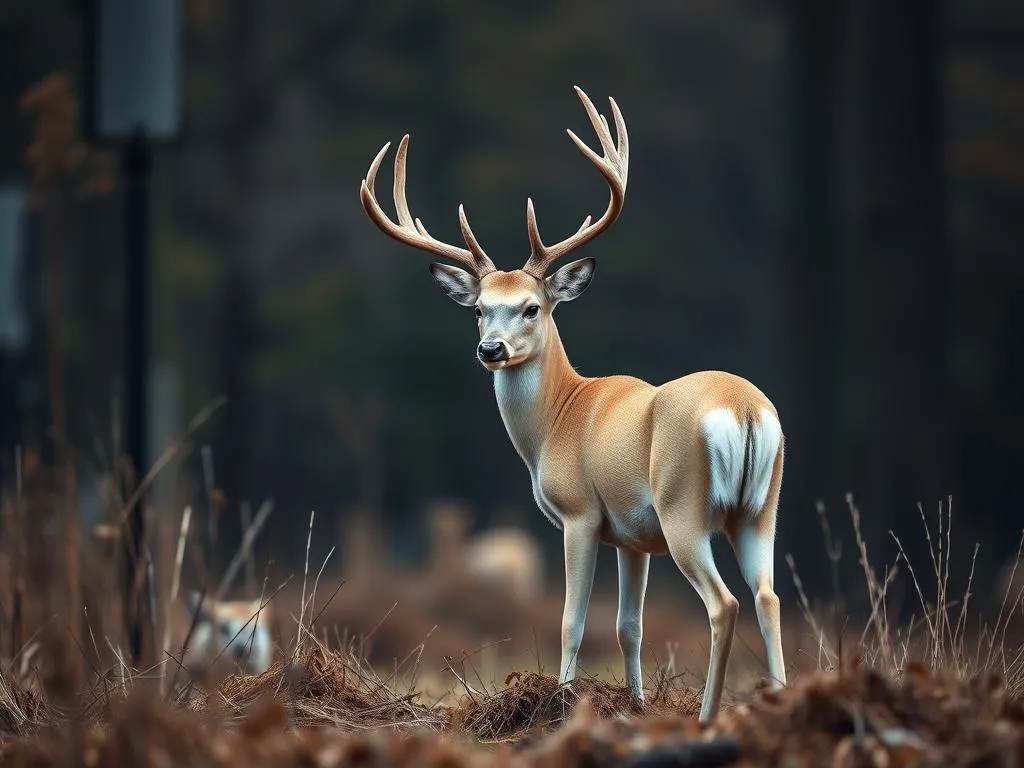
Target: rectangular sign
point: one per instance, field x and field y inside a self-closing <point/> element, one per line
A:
<point x="136" y="68"/>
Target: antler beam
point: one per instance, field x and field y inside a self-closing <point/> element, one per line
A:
<point x="614" y="166"/>
<point x="410" y="230"/>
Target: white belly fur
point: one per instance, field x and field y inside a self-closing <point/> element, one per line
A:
<point x="637" y="528"/>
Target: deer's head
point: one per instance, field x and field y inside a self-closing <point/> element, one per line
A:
<point x="513" y="309"/>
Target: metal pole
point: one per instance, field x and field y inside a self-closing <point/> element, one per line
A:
<point x="137" y="163"/>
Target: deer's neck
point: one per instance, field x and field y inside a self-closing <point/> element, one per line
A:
<point x="532" y="394"/>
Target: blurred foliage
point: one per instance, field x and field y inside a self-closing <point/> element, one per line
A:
<point x="299" y="100"/>
<point x="272" y="286"/>
<point x="56" y="152"/>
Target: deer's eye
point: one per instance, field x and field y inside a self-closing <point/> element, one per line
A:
<point x="531" y="312"/>
<point x="479" y="314"/>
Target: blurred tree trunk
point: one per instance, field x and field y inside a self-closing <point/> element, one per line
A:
<point x="810" y="418"/>
<point x="868" y="286"/>
<point x="245" y="51"/>
<point x="897" y="257"/>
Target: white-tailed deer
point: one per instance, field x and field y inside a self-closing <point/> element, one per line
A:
<point x="647" y="469"/>
<point x="233" y="631"/>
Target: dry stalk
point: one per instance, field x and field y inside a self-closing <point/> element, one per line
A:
<point x="245" y="548"/>
<point x="245" y="513"/>
<point x="179" y="557"/>
<point x="805" y="609"/>
<point x="305" y="576"/>
<point x="172" y="450"/>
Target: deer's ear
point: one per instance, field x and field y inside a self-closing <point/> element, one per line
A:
<point x="457" y="284"/>
<point x="570" y="281"/>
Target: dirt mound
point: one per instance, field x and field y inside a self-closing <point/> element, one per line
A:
<point x="328" y="711"/>
<point x="532" y="704"/>
<point x="146" y="732"/>
<point x="861" y="718"/>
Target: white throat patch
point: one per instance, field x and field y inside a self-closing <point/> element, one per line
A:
<point x="518" y="390"/>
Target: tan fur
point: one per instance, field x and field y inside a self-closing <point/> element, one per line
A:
<point x="614" y="459"/>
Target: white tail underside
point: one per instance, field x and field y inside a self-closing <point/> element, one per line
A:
<point x="741" y="458"/>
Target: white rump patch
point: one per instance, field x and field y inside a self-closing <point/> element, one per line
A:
<point x="764" y="448"/>
<point x="726" y="441"/>
<point x="734" y="448"/>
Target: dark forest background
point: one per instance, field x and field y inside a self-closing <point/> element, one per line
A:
<point x="825" y="198"/>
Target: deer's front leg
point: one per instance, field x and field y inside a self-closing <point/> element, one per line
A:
<point x="581" y="543"/>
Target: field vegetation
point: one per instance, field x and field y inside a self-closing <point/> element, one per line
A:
<point x="361" y="679"/>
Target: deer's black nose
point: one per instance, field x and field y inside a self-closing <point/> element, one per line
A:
<point x="492" y="351"/>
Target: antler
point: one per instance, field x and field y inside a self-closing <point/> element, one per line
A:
<point x="614" y="166"/>
<point x="411" y="231"/>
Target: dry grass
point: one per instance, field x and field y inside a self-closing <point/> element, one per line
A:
<point x="22" y="710"/>
<point x="939" y="634"/>
<point x="876" y="701"/>
<point x="333" y="708"/>
<point x="329" y="717"/>
<point x="323" y="688"/>
<point x="142" y="733"/>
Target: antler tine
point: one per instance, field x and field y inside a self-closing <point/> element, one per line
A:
<point x="614" y="166"/>
<point x="531" y="227"/>
<point x="622" y="155"/>
<point x="600" y="124"/>
<point x="469" y="237"/>
<point x="410" y="230"/>
<point x="401" y="203"/>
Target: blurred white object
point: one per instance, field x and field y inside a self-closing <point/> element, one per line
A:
<point x="507" y="557"/>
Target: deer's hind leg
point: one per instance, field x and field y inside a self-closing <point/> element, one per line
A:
<point x="753" y="540"/>
<point x="689" y="542"/>
<point x="681" y="485"/>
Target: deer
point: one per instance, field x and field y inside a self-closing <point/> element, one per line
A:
<point x="234" y="630"/>
<point x="614" y="460"/>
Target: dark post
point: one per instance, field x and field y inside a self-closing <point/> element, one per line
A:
<point x="137" y="163"/>
<point x="15" y="323"/>
<point x="133" y="50"/>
